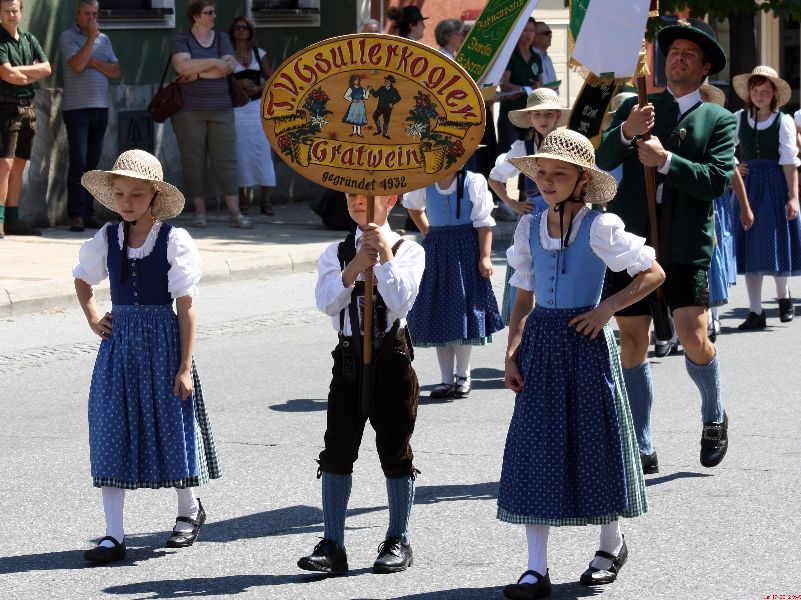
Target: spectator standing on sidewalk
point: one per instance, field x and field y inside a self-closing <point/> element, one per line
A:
<point x="22" y="62"/>
<point x="542" y="41"/>
<point x="89" y="62"/>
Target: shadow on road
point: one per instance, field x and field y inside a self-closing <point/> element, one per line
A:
<point x="301" y="405"/>
<point x="674" y="476"/>
<point x="71" y="559"/>
<point x="559" y="591"/>
<point x="433" y="494"/>
<point x="198" y="587"/>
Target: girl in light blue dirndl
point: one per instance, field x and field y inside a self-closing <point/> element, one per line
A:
<point x="456" y="307"/>
<point x="571" y="455"/>
<point x="543" y="113"/>
<point x="148" y="426"/>
<point x="356" y="115"/>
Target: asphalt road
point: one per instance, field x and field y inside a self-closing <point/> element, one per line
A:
<point x="263" y="356"/>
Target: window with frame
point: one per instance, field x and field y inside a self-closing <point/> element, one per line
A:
<point x="284" y="13"/>
<point x="137" y="14"/>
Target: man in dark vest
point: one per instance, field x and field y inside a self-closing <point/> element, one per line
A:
<point x="388" y="96"/>
<point x="692" y="149"/>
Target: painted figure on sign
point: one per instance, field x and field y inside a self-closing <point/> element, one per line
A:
<point x="388" y="96"/>
<point x="356" y="95"/>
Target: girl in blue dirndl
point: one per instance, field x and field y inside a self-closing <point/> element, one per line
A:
<point x="768" y="160"/>
<point x="148" y="426"/>
<point x="541" y="116"/>
<point x="356" y="114"/>
<point x="571" y="455"/>
<point x="456" y="307"/>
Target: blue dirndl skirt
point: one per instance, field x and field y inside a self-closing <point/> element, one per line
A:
<point x="510" y="292"/>
<point x="571" y="456"/>
<point x="455" y="304"/>
<point x="722" y="269"/>
<point x="773" y="245"/>
<point x="141" y="435"/>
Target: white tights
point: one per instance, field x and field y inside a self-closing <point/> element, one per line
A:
<point x="446" y="355"/>
<point x="114" y="506"/>
<point x="753" y="284"/>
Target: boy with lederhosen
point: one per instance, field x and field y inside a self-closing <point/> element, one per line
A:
<point x="398" y="268"/>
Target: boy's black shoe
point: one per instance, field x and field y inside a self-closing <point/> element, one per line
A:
<point x="594" y="576"/>
<point x="393" y="556"/>
<point x="327" y="557"/>
<point x="786" y="310"/>
<point x="101" y="554"/>
<point x="754" y="321"/>
<point x="714" y="442"/>
<point x="650" y="463"/>
<point x="183" y="539"/>
<point x="528" y="591"/>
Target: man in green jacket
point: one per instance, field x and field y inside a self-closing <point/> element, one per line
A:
<point x="692" y="149"/>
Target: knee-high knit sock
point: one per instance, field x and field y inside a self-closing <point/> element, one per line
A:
<point x="537" y="538"/>
<point x="611" y="542"/>
<point x="753" y="285"/>
<point x="445" y="356"/>
<point x="12" y="214"/>
<point x="782" y="291"/>
<point x="336" y="493"/>
<point x="707" y="378"/>
<point x="400" y="495"/>
<point x="113" y="507"/>
<point x="2" y="212"/>
<point x="641" y="400"/>
<point x="187" y="507"/>
<point x="463" y="353"/>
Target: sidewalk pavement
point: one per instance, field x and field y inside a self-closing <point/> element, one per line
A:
<point x="36" y="272"/>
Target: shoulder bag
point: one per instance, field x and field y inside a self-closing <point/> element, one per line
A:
<point x="167" y="100"/>
<point x="238" y="95"/>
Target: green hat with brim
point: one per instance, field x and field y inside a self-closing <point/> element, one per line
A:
<point x="683" y="30"/>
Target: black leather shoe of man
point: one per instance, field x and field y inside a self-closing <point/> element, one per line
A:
<point x="21" y="228"/>
<point x="101" y="554"/>
<point x="754" y="321"/>
<point x="76" y="224"/>
<point x="327" y="557"/>
<point x="714" y="442"/>
<point x="93" y="223"/>
<point x="786" y="310"/>
<point x="650" y="463"/>
<point x="527" y="591"/>
<point x="182" y="539"/>
<point x="393" y="556"/>
<point x="662" y="349"/>
<point x="594" y="576"/>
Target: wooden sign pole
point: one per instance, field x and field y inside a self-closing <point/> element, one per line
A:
<point x="366" y="391"/>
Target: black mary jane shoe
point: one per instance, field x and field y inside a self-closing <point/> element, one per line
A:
<point x="184" y="539"/>
<point x="102" y="554"/>
<point x="529" y="591"/>
<point x="754" y="321"/>
<point x="461" y="387"/>
<point x="393" y="556"/>
<point x="714" y="442"/>
<point x="786" y="310"/>
<point x="327" y="557"/>
<point x="650" y="463"/>
<point x="594" y="576"/>
<point x="442" y="392"/>
<point x="662" y="349"/>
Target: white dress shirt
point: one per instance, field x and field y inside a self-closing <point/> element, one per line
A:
<point x="505" y="170"/>
<point x="548" y="71"/>
<point x="609" y="240"/>
<point x="477" y="192"/>
<point x="788" y="150"/>
<point x="398" y="281"/>
<point x="182" y="254"/>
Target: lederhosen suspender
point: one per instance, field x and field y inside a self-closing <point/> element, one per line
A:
<point x="460" y="176"/>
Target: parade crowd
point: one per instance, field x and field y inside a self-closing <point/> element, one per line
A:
<point x="580" y="440"/>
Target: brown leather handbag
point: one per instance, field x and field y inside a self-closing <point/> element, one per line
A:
<point x="167" y="100"/>
<point x="238" y="95"/>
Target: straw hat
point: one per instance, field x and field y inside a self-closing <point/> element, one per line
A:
<point x="615" y="104"/>
<point x="572" y="147"/>
<point x="684" y="30"/>
<point x="715" y="95"/>
<point x="539" y="99"/>
<point x="139" y="165"/>
<point x="783" y="92"/>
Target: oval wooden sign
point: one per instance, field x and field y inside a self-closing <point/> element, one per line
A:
<point x="372" y="114"/>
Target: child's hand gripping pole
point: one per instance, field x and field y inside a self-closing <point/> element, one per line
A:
<point x="366" y="392"/>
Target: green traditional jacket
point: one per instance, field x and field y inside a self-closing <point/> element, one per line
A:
<point x="701" y="169"/>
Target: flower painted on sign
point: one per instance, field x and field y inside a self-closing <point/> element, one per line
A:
<point x="419" y="119"/>
<point x="315" y="108"/>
